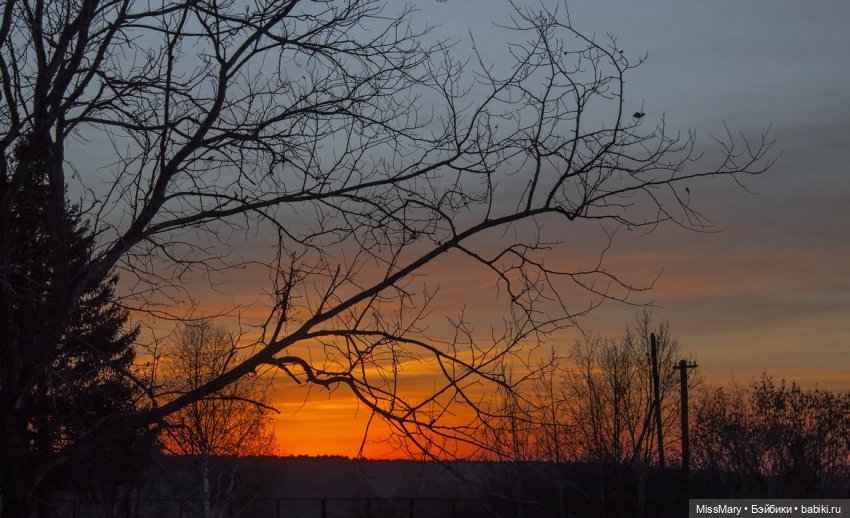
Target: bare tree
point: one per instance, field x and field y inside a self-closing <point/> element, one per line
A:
<point x="595" y="410"/>
<point x="370" y="151"/>
<point x="233" y="421"/>
<point x="597" y="407"/>
<point x="771" y="438"/>
<point x="611" y="396"/>
<point x="612" y="407"/>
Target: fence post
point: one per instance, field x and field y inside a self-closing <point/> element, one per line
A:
<point x="277" y="507"/>
<point x="411" y="507"/>
<point x="324" y="508"/>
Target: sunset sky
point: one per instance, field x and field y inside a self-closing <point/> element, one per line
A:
<point x="770" y="292"/>
<point x="767" y="290"/>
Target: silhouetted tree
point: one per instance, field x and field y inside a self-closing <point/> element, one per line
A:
<point x="371" y="153"/>
<point x="613" y="407"/>
<point x="78" y="372"/>
<point x="597" y="410"/>
<point x="769" y="439"/>
<point x="233" y="421"/>
<point x="612" y="398"/>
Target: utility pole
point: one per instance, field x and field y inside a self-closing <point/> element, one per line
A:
<point x="656" y="395"/>
<point x="686" y="444"/>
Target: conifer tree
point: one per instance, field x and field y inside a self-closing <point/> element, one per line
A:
<point x="75" y="364"/>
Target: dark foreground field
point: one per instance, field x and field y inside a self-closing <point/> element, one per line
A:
<point x="326" y="487"/>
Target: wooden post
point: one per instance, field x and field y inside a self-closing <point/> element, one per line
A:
<point x="686" y="444"/>
<point x="656" y="392"/>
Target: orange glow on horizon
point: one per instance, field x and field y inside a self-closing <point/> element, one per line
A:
<point x="738" y="314"/>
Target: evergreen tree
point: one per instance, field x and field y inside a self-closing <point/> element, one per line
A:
<point x="73" y="363"/>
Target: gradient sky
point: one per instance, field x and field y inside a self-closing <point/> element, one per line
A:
<point x="768" y="293"/>
<point x="771" y="292"/>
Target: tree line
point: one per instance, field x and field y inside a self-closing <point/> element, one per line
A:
<point x="582" y="435"/>
<point x="579" y="432"/>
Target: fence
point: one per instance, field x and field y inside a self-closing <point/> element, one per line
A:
<point x="272" y="508"/>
